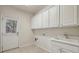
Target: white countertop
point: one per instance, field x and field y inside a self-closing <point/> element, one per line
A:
<point x="73" y="42"/>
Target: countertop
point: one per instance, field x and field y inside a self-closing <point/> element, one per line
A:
<point x="73" y="42"/>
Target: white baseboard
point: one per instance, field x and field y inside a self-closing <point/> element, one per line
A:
<point x="43" y="48"/>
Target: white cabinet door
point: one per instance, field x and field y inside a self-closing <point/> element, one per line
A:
<point x="55" y="48"/>
<point x="44" y="43"/>
<point x="64" y="50"/>
<point x="0" y="40"/>
<point x="78" y="13"/>
<point x="33" y="22"/>
<point x="0" y="46"/>
<point x="54" y="16"/>
<point x="0" y="37"/>
<point x="39" y="21"/>
<point x="63" y="47"/>
<point x="68" y="15"/>
<point x="45" y="19"/>
<point x="36" y="22"/>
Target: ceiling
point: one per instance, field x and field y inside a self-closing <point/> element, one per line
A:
<point x="30" y="8"/>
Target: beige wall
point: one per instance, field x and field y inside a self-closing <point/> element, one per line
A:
<point x="25" y="33"/>
<point x="57" y="31"/>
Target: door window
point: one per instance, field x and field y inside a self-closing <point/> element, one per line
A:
<point x="11" y="26"/>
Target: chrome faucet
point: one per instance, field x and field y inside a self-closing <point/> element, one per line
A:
<point x="66" y="35"/>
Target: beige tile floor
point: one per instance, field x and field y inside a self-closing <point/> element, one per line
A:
<point x="29" y="49"/>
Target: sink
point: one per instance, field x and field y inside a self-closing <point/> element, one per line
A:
<point x="72" y="40"/>
<point x="62" y="37"/>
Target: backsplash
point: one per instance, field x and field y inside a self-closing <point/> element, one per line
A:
<point x="74" y="31"/>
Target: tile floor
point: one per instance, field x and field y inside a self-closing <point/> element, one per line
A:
<point x="29" y="49"/>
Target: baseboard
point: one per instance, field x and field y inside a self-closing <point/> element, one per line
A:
<point x="43" y="48"/>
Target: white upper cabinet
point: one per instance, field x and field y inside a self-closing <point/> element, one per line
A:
<point x="78" y="13"/>
<point x="34" y="22"/>
<point x="37" y="21"/>
<point x="57" y="16"/>
<point x="45" y="21"/>
<point x="68" y="15"/>
<point x="54" y="16"/>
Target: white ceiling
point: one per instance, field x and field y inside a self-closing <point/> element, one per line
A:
<point x="30" y="8"/>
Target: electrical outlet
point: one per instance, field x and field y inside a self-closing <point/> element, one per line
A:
<point x="44" y="34"/>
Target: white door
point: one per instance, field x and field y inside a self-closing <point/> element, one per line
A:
<point x="54" y="16"/>
<point x="9" y="33"/>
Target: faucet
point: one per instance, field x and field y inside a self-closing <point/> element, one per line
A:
<point x="66" y="35"/>
<point x="44" y="34"/>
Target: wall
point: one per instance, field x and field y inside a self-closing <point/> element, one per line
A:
<point x="53" y="32"/>
<point x="25" y="33"/>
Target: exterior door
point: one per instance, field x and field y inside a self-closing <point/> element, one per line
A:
<point x="9" y="33"/>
